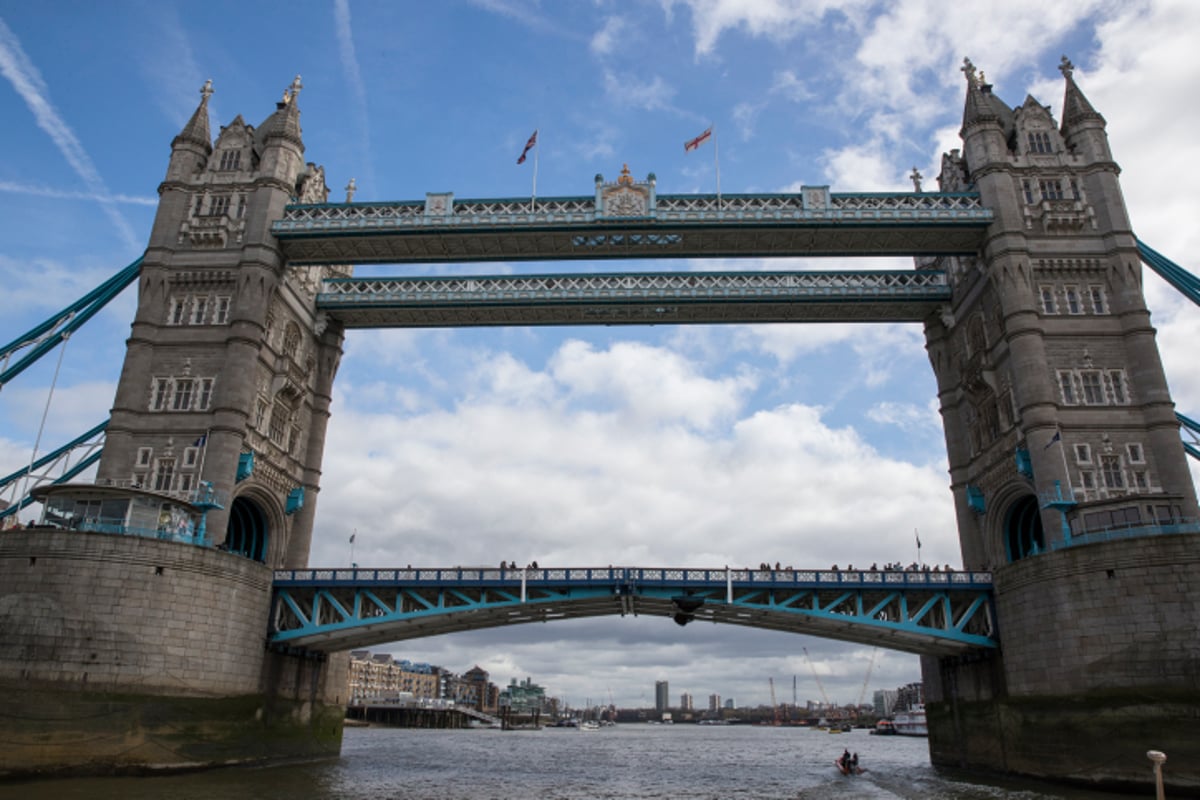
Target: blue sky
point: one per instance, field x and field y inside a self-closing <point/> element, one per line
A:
<point x="704" y="446"/>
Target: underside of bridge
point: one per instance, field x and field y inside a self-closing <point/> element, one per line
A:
<point x="916" y="612"/>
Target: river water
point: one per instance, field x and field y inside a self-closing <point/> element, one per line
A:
<point x="625" y="762"/>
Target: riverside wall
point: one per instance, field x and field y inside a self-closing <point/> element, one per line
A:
<point x="121" y="654"/>
<point x="1099" y="663"/>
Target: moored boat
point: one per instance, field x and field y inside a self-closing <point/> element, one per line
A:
<point x="912" y="721"/>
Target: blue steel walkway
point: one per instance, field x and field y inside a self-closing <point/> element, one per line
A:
<point x="933" y="613"/>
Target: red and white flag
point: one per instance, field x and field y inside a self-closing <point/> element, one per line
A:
<point x="691" y="145"/>
<point x="528" y="146"/>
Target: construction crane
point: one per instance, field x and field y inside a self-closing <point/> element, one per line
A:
<point x="870" y="666"/>
<point x="817" y="677"/>
<point x="774" y="705"/>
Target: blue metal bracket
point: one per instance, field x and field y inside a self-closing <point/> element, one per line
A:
<point x="245" y="467"/>
<point x="1024" y="462"/>
<point x="295" y="500"/>
<point x="975" y="499"/>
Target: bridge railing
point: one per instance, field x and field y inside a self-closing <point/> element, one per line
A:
<point x="662" y="575"/>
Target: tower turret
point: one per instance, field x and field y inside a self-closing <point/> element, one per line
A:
<point x="1083" y="128"/>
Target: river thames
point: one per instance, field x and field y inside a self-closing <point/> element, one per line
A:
<point x="637" y="761"/>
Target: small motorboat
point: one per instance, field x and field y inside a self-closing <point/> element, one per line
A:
<point x="847" y="768"/>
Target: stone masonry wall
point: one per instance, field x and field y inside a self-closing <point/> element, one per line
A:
<point x="1120" y="614"/>
<point x="109" y="613"/>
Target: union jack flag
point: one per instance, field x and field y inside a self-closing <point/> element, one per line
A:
<point x="528" y="146"/>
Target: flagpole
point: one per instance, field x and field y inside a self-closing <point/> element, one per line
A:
<point x="353" y="536"/>
<point x="917" y="533"/>
<point x="717" y="162"/>
<point x="203" y="453"/>
<point x="1066" y="469"/>
<point x="536" y="152"/>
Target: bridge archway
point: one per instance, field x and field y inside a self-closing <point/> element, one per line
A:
<point x="249" y="530"/>
<point x="1023" y="532"/>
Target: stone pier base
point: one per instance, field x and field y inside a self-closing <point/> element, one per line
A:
<point x="121" y="655"/>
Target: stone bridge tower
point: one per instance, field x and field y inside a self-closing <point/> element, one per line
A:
<point x="228" y="372"/>
<point x="1069" y="476"/>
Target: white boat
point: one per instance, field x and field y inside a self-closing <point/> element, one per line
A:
<point x="589" y="725"/>
<point x="912" y="721"/>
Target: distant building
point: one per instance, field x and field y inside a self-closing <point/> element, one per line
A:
<point x="685" y="702"/>
<point x="525" y="697"/>
<point x="714" y="702"/>
<point x="662" y="697"/>
<point x="487" y="694"/>
<point x="381" y="675"/>
<point x="731" y="704"/>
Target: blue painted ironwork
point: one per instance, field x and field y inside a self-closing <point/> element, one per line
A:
<point x="1191" y="429"/>
<point x="918" y="612"/>
<point x="44" y="337"/>
<point x="636" y="298"/>
<point x="975" y="499"/>
<point x="810" y="222"/>
<point x="86" y="447"/>
<point x="1023" y="461"/>
<point x="295" y="500"/>
<point x="245" y="467"/>
<point x="1187" y="283"/>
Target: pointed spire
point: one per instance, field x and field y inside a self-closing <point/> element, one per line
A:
<point x="196" y="130"/>
<point x="285" y="122"/>
<point x="981" y="105"/>
<point x="1076" y="108"/>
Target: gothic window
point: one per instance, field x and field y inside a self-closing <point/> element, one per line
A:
<point x="1099" y="303"/>
<point x="280" y="418"/>
<point x="1139" y="480"/>
<point x="162" y="390"/>
<point x="1075" y="195"/>
<point x="164" y="474"/>
<point x="191" y="456"/>
<point x="230" y="160"/>
<point x="291" y="340"/>
<point x="1114" y="476"/>
<point x="293" y="439"/>
<point x="221" y="314"/>
<point x="1039" y="142"/>
<point x="1027" y="188"/>
<point x="1116" y="382"/>
<point x="219" y="205"/>
<point x="185" y="483"/>
<point x="1051" y="189"/>
<point x="205" y="395"/>
<point x="260" y="413"/>
<point x="183" y="394"/>
<point x="1093" y="391"/>
<point x="199" y="309"/>
<point x="175" y="311"/>
<point x="241" y="207"/>
<point x="1083" y="454"/>
<point x="1087" y="479"/>
<point x="1074" y="306"/>
<point x="1067" y="386"/>
<point x="1136" y="456"/>
<point x="143" y="456"/>
<point x="1048" y="306"/>
<point x="199" y="205"/>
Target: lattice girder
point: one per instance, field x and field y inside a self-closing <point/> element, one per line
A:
<point x="929" y="613"/>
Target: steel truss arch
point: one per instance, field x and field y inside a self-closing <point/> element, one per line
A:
<point x="928" y="613"/>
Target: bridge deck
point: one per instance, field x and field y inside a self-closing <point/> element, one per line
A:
<point x="920" y="612"/>
<point x="636" y="298"/>
<point x="812" y="222"/>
